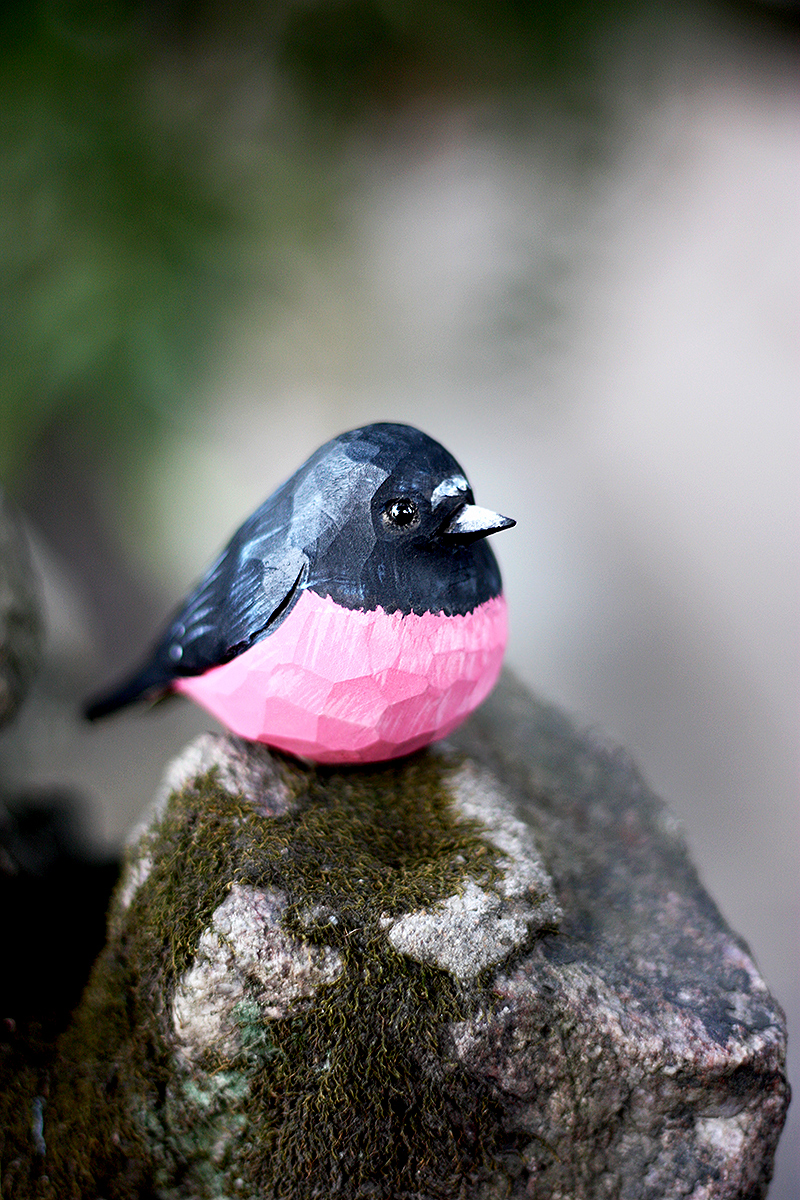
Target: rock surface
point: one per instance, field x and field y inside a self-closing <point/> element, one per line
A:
<point x="20" y="614"/>
<point x="485" y="971"/>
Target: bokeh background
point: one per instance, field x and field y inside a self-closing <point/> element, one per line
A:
<point x="562" y="238"/>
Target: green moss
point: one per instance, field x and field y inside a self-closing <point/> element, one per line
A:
<point x="378" y="841"/>
<point x="364" y="1089"/>
<point x="353" y="1085"/>
<point x="366" y="1092"/>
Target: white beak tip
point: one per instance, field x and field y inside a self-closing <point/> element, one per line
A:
<point x="472" y="522"/>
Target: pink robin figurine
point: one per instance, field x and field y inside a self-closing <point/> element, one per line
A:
<point x="356" y="616"/>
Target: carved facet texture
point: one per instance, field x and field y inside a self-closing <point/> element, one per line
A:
<point x="337" y="685"/>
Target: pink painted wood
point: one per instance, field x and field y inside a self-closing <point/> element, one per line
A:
<point x="339" y="685"/>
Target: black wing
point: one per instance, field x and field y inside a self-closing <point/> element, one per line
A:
<point x="243" y="597"/>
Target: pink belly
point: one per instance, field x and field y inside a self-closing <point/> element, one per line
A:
<point x="337" y="685"/>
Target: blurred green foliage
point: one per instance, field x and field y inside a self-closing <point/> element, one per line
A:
<point x="352" y="53"/>
<point x="118" y="246"/>
<point x="151" y="154"/>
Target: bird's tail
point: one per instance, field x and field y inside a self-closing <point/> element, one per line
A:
<point x="152" y="682"/>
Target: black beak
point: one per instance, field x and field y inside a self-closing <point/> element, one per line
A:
<point x="471" y="522"/>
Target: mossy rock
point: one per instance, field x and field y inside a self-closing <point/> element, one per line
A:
<point x="367" y="982"/>
<point x="21" y="622"/>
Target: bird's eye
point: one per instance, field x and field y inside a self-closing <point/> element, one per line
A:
<point x="401" y="514"/>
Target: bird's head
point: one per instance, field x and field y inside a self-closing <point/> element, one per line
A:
<point x="399" y="525"/>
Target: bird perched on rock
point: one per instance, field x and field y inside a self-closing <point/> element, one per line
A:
<point x="356" y="616"/>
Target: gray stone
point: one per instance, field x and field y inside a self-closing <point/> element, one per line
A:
<point x="21" y="628"/>
<point x="243" y="955"/>
<point x="489" y="970"/>
<point x="639" y="1048"/>
<point x="478" y="927"/>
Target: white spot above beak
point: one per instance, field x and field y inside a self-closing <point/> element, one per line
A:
<point x="452" y="486"/>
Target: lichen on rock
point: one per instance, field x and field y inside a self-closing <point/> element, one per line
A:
<point x="478" y="927"/>
<point x="244" y="952"/>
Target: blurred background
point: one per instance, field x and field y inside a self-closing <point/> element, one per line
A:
<point x="562" y="238"/>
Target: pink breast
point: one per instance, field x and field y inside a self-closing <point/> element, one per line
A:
<point x="337" y="685"/>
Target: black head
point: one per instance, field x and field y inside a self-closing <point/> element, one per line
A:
<point x="396" y="524"/>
